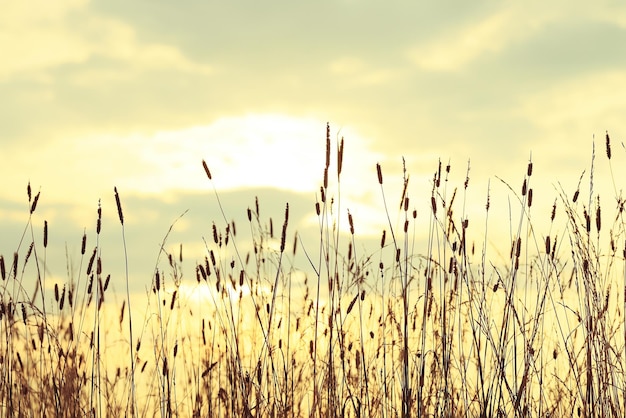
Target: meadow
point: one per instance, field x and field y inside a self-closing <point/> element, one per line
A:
<point x="440" y="327"/>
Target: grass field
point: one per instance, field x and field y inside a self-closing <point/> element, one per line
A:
<point x="413" y="328"/>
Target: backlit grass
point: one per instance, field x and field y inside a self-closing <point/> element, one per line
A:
<point x="441" y="326"/>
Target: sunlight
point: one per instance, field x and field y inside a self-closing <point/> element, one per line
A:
<point x="255" y="151"/>
<point x="262" y="150"/>
<point x="206" y="294"/>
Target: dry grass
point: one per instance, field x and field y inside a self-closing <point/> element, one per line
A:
<point x="409" y="329"/>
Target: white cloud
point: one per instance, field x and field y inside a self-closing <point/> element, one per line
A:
<point x="42" y="36"/>
<point x="582" y="102"/>
<point x="258" y="150"/>
<point x="254" y="151"/>
<point x="492" y="34"/>
<point x="35" y="37"/>
<point x="454" y="51"/>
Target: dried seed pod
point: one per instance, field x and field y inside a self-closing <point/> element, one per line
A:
<point x="34" y="205"/>
<point x="206" y="170"/>
<point x="340" y="158"/>
<point x="351" y="223"/>
<point x="119" y="206"/>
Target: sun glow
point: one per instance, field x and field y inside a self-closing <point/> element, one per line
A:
<point x="258" y="150"/>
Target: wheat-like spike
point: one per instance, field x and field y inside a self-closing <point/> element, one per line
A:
<point x="340" y="158"/>
<point x="45" y="234"/>
<point x="34" y="205"/>
<point x="327" y="145"/>
<point x="351" y="223"/>
<point x="99" y="221"/>
<point x="206" y="170"/>
<point x="119" y="206"/>
<point x="283" y="235"/>
<point x="598" y="217"/>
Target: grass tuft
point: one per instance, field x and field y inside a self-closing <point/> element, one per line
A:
<point x="431" y="319"/>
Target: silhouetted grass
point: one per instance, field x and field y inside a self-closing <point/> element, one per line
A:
<point x="416" y="327"/>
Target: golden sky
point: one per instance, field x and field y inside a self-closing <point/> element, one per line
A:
<point x="97" y="94"/>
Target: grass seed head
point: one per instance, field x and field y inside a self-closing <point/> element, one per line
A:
<point x="327" y="146"/>
<point x="119" y="206"/>
<point x="206" y="170"/>
<point x="340" y="158"/>
<point x="15" y="260"/>
<point x="34" y="205"/>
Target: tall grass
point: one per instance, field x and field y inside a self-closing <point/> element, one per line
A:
<point x="414" y="327"/>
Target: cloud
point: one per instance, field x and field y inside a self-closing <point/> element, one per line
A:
<point x="356" y="72"/>
<point x="252" y="151"/>
<point x="35" y="37"/>
<point x="147" y="221"/>
<point x="578" y="103"/>
<point x="136" y="94"/>
<point x="454" y="51"/>
<point x="569" y="117"/>
<point x="40" y="37"/>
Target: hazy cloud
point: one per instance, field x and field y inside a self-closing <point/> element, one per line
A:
<point x="135" y="94"/>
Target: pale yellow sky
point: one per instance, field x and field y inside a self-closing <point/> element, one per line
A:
<point x="97" y="94"/>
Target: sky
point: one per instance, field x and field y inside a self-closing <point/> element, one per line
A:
<point x="134" y="95"/>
